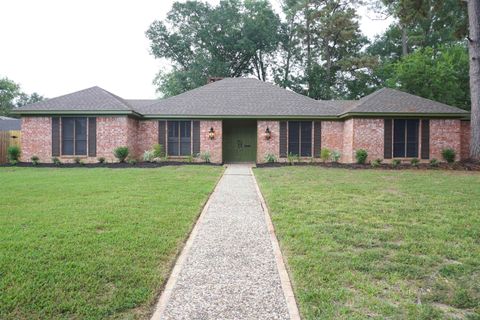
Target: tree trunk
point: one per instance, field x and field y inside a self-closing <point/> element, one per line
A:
<point x="309" y="47"/>
<point x="404" y="41"/>
<point x="474" y="49"/>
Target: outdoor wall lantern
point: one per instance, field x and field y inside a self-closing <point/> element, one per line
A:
<point x="268" y="134"/>
<point x="211" y="134"/>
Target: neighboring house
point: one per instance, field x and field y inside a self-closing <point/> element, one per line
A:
<point x="9" y="135"/>
<point x="9" y="124"/>
<point x="239" y="119"/>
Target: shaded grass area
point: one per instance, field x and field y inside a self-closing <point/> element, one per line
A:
<point x="96" y="243"/>
<point x="378" y="244"/>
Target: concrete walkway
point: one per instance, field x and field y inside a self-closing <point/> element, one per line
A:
<point x="229" y="268"/>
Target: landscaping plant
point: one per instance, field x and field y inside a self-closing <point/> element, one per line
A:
<point x="335" y="156"/>
<point x="13" y="154"/>
<point x="148" y="155"/>
<point x="396" y="163"/>
<point x="376" y="163"/>
<point x="132" y="162"/>
<point x="448" y="155"/>
<point x="361" y="156"/>
<point x="414" y="162"/>
<point x="77" y="160"/>
<point x="325" y="154"/>
<point x="434" y="163"/>
<point x="291" y="158"/>
<point x="158" y="151"/>
<point x="34" y="160"/>
<point x="205" y="156"/>
<point x="56" y="161"/>
<point x="121" y="153"/>
<point x="270" y="158"/>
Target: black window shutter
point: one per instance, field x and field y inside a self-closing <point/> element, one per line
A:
<point x="283" y="139"/>
<point x="162" y="133"/>
<point x="55" y="136"/>
<point x="92" y="137"/>
<point x="196" y="137"/>
<point x="317" y="138"/>
<point x="425" y="149"/>
<point x="387" y="140"/>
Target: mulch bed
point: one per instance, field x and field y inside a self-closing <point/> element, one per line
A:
<point x="466" y="165"/>
<point x="111" y="165"/>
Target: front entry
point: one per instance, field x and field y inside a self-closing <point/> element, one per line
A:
<point x="239" y="141"/>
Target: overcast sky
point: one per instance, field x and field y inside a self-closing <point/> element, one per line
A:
<point x="56" y="47"/>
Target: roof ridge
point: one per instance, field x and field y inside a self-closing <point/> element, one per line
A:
<point x="118" y="98"/>
<point x="364" y="99"/>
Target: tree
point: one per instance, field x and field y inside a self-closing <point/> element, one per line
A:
<point x="11" y="96"/>
<point x="474" y="50"/>
<point x="232" y="39"/>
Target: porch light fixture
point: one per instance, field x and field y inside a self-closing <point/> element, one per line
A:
<point x="268" y="134"/>
<point x="211" y="134"/>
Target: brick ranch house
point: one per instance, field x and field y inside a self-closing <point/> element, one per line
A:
<point x="242" y="120"/>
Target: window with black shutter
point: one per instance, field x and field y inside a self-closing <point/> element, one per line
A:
<point x="74" y="136"/>
<point x="300" y="138"/>
<point x="405" y="138"/>
<point x="179" y="138"/>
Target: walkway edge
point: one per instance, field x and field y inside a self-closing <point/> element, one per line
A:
<point x="172" y="279"/>
<point x="284" y="277"/>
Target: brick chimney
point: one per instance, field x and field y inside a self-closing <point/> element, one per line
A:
<point x="213" y="79"/>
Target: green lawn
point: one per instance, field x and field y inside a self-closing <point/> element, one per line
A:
<point x="93" y="243"/>
<point x="378" y="244"/>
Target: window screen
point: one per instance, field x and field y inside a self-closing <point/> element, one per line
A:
<point x="74" y="136"/>
<point x="179" y="138"/>
<point x="300" y="138"/>
<point x="405" y="138"/>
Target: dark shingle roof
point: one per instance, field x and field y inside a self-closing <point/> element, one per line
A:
<point x="91" y="99"/>
<point x="388" y="100"/>
<point x="242" y="97"/>
<point x="7" y="124"/>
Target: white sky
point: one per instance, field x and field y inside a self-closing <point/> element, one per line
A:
<point x="55" y="47"/>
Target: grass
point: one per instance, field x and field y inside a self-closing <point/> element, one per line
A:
<point x="378" y="244"/>
<point x="93" y="243"/>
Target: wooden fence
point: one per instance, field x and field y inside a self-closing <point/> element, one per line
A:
<point x="8" y="138"/>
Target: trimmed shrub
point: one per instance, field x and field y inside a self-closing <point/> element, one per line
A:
<point x="434" y="163"/>
<point x="414" y="162"/>
<point x="148" y="156"/>
<point x="396" y="163"/>
<point x="325" y="154"/>
<point x="158" y="151"/>
<point x="448" y="155"/>
<point x="101" y="160"/>
<point x="376" y="163"/>
<point x="291" y="158"/>
<point x="361" y="156"/>
<point x="270" y="158"/>
<point x="121" y="153"/>
<point x="205" y="156"/>
<point x="35" y="160"/>
<point x="14" y="153"/>
<point x="56" y="161"/>
<point x="335" y="156"/>
<point x="132" y="162"/>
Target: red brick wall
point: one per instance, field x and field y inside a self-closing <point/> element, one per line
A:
<point x="368" y="134"/>
<point x="111" y="133"/>
<point x="444" y="134"/>
<point x="347" y="154"/>
<point x="147" y="135"/>
<point x="36" y="138"/>
<point x="213" y="146"/>
<point x="465" y="140"/>
<point x="332" y="136"/>
<point x="271" y="146"/>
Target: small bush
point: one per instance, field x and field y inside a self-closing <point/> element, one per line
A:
<point x="121" y="153"/>
<point x="376" y="163"/>
<point x="325" y="154"/>
<point x="56" y="161"/>
<point x="14" y="153"/>
<point x="270" y="158"/>
<point x="35" y="160"/>
<point x="148" y="156"/>
<point x="77" y="160"/>
<point x="205" y="156"/>
<point x="396" y="163"/>
<point x="82" y="162"/>
<point x="132" y="162"/>
<point x="158" y="151"/>
<point x="448" y="155"/>
<point x="434" y="163"/>
<point x="335" y="156"/>
<point x="191" y="158"/>
<point x="414" y="162"/>
<point x="361" y="156"/>
<point x="291" y="158"/>
<point x="101" y="160"/>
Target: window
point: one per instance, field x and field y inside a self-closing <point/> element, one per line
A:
<point x="74" y="136"/>
<point x="405" y="138"/>
<point x="179" y="138"/>
<point x="300" y="138"/>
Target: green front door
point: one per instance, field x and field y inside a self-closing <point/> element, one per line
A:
<point x="239" y="141"/>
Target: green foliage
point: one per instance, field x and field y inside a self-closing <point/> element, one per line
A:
<point x="396" y="163"/>
<point x="205" y="156"/>
<point x="190" y="158"/>
<point x="361" y="156"/>
<point x="77" y="160"/>
<point x="13" y="153"/>
<point x="414" y="162"/>
<point x="35" y="160"/>
<point x="376" y="163"/>
<point x="292" y="158"/>
<point x="132" y="162"/>
<point x="325" y="154"/>
<point x="101" y="160"/>
<point x="449" y="155"/>
<point x="434" y="163"/>
<point x="270" y="158"/>
<point x="56" y="161"/>
<point x="11" y="96"/>
<point x="149" y="155"/>
<point x="335" y="156"/>
<point x="121" y="153"/>
<point x="158" y="151"/>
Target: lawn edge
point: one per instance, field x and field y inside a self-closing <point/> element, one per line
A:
<point x="166" y="288"/>
<point x="287" y="288"/>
